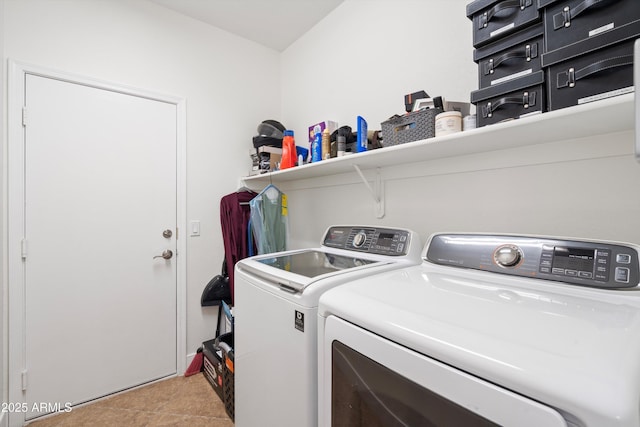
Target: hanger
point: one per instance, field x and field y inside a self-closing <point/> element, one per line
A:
<point x="271" y="191"/>
<point x="244" y="189"/>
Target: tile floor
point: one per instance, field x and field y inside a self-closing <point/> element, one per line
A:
<point x="176" y="402"/>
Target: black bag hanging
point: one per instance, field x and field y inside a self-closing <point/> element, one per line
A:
<point x="217" y="289"/>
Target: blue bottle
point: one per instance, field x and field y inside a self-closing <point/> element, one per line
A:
<point x="316" y="148"/>
<point x="361" y="142"/>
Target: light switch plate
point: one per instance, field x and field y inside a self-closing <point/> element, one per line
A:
<point x="194" y="228"/>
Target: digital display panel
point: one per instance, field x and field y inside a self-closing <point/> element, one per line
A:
<point x="385" y="239"/>
<point x="574" y="259"/>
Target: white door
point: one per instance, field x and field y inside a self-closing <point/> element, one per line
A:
<point x="100" y="189"/>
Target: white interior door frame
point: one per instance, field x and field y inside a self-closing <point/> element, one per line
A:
<point x="14" y="212"/>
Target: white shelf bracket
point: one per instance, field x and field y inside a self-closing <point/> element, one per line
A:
<point x="377" y="191"/>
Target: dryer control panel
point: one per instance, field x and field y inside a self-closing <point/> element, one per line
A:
<point x="577" y="262"/>
<point x="373" y="240"/>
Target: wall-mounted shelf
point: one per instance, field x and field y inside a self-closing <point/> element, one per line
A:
<point x="596" y="118"/>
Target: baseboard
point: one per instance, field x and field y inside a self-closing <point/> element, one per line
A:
<point x="190" y="357"/>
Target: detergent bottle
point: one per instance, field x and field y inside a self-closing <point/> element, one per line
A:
<point x="288" y="150"/>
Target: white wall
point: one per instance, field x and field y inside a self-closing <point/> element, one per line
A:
<point x="139" y="44"/>
<point x="362" y="59"/>
<point x="367" y="54"/>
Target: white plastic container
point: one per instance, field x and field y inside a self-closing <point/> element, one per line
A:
<point x="448" y="122"/>
<point x="469" y="122"/>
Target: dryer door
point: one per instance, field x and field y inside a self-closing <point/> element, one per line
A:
<point x="367" y="380"/>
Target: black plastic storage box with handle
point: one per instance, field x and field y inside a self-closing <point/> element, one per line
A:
<point x="511" y="57"/>
<point x="493" y="19"/>
<point x="510" y="100"/>
<point x="569" y="21"/>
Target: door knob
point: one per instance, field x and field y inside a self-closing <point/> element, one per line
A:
<point x="166" y="254"/>
<point x="167" y="233"/>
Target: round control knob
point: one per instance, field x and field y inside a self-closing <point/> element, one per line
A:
<point x="359" y="239"/>
<point x="507" y="255"/>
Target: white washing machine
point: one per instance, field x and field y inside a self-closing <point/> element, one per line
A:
<point x="490" y="330"/>
<point x="276" y="300"/>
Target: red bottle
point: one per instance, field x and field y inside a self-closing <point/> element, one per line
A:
<point x="288" y="150"/>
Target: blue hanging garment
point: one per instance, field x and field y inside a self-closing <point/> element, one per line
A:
<point x="269" y="220"/>
<point x="250" y="245"/>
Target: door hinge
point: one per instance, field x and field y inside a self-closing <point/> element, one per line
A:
<point x="24" y="116"/>
<point x="23" y="248"/>
<point x="24" y="380"/>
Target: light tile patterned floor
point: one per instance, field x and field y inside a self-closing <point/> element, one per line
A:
<point x="177" y="402"/>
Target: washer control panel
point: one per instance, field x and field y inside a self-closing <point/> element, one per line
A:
<point x="373" y="240"/>
<point x="577" y="262"/>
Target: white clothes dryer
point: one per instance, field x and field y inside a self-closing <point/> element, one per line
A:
<point x="490" y="330"/>
<point x="276" y="300"/>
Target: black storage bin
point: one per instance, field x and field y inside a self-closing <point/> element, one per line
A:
<point x="511" y="57"/>
<point x="493" y="19"/>
<point x="570" y="21"/>
<point x="225" y="343"/>
<point x="213" y="367"/>
<point x="510" y="100"/>
<point x="229" y="386"/>
<point x="219" y="369"/>
<point x="607" y="39"/>
<point x="597" y="75"/>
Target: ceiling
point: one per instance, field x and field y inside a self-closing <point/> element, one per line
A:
<point x="272" y="23"/>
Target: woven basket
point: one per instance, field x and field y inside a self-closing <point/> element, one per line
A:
<point x="410" y="127"/>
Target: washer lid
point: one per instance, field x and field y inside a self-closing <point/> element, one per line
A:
<point x="295" y="270"/>
<point x="313" y="263"/>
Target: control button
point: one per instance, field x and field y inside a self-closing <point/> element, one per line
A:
<point x="622" y="274"/>
<point x="400" y="247"/>
<point x="359" y="239"/>
<point x="403" y="238"/>
<point x="623" y="259"/>
<point x="602" y="260"/>
<point x="573" y="273"/>
<point x="507" y="256"/>
<point x="545" y="270"/>
<point x="602" y="277"/>
<point x="558" y="271"/>
<point x="602" y="253"/>
<point x="545" y="263"/>
<point x="585" y="274"/>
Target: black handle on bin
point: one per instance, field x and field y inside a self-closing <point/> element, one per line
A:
<point x="527" y="52"/>
<point x="528" y="99"/>
<point x="225" y="347"/>
<point x="509" y="4"/>
<point x="563" y="19"/>
<point x="571" y="76"/>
